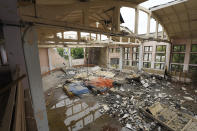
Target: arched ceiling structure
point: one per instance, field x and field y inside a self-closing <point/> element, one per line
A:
<point x="179" y="18"/>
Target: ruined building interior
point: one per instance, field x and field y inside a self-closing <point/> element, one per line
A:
<point x="98" y="65"/>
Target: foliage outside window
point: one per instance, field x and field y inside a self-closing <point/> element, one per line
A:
<point x="62" y="53"/>
<point x="147" y="64"/>
<point x="77" y="53"/>
<point x="192" y="68"/>
<point x="175" y="67"/>
<point x="179" y="48"/>
<point x="178" y="57"/>
<point x="161" y="48"/>
<point x="160" y="57"/>
<point x="194" y="48"/>
<point x="159" y="66"/>
<point x="193" y="58"/>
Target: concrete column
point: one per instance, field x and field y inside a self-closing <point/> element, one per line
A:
<point x="3" y="55"/>
<point x="49" y="57"/>
<point x="156" y="29"/>
<point x="187" y="56"/>
<point x="153" y="56"/>
<point x="108" y="59"/>
<point x="69" y="57"/>
<point x="116" y="19"/>
<point x="136" y="20"/>
<point x="35" y="79"/>
<point x="140" y="57"/>
<point x="168" y="51"/>
<point x="120" y="39"/>
<point x="24" y="55"/>
<point x="121" y="58"/>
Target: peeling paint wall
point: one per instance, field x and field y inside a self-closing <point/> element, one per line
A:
<point x="44" y="60"/>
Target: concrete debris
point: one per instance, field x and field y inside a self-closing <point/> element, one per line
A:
<point x="131" y="91"/>
<point x="188" y="98"/>
<point x="184" y="89"/>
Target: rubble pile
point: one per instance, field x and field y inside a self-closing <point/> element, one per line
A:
<point x="139" y="91"/>
<point x="130" y="91"/>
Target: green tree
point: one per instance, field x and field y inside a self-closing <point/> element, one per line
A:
<point x="77" y="53"/>
<point x="62" y="53"/>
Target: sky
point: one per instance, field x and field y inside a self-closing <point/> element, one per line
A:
<point x="128" y="15"/>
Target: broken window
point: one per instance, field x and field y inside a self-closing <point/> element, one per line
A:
<point x="114" y="61"/>
<point x="111" y="50"/>
<point x="193" y="58"/>
<point x="147" y="64"/>
<point x="135" y="56"/>
<point x="176" y="67"/>
<point x="148" y="48"/>
<point x="159" y="66"/>
<point x="117" y="50"/>
<point x="147" y="56"/>
<point x="127" y="57"/>
<point x="178" y="53"/>
<point x="178" y="48"/>
<point x="178" y="57"/>
<point x="193" y="54"/>
<point x="160" y="57"/>
<point x="161" y="48"/>
<point x="194" y="48"/>
<point x="192" y="68"/>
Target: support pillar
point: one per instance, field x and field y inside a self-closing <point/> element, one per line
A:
<point x="25" y="56"/>
<point x="49" y="57"/>
<point x="35" y="79"/>
<point x="136" y="20"/>
<point x="69" y="57"/>
<point x="140" y="57"/>
<point x="153" y="56"/>
<point x="168" y="51"/>
<point x="121" y="58"/>
<point x="156" y="29"/>
<point x="187" y="55"/>
<point x="116" y="19"/>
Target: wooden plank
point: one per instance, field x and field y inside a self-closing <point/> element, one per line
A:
<point x="17" y="121"/>
<point x="151" y="116"/>
<point x="6" y="122"/>
<point x="187" y="125"/>
<point x="12" y="84"/>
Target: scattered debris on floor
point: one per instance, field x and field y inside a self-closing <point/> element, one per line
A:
<point x="129" y="96"/>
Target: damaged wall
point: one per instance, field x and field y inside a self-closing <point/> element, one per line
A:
<point x="44" y="59"/>
<point x="97" y="56"/>
<point x="50" y="59"/>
